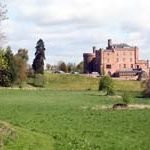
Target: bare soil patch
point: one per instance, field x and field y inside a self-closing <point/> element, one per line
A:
<point x="130" y="107"/>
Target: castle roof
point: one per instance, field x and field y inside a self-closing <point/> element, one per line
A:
<point x="122" y="45"/>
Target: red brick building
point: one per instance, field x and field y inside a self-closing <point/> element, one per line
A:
<point x="115" y="60"/>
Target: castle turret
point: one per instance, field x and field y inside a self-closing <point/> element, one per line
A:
<point x="88" y="62"/>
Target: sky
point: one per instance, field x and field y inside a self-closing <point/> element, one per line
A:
<point x="71" y="27"/>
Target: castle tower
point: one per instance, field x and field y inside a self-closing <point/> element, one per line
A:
<point x="88" y="62"/>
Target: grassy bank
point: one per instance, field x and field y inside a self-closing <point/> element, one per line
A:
<point x="80" y="82"/>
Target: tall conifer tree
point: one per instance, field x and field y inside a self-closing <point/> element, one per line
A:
<point x="38" y="63"/>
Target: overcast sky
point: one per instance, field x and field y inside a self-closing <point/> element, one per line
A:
<point x="71" y="27"/>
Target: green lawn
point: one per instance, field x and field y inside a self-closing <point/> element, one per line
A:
<point x="65" y="120"/>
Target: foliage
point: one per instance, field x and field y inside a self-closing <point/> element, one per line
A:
<point x="5" y="78"/>
<point x="106" y="84"/>
<point x="80" y="67"/>
<point x="38" y="80"/>
<point x="7" y="68"/>
<point x="21" y="66"/>
<point x="126" y="97"/>
<point x="3" y="60"/>
<point x="4" y="74"/>
<point x="38" y="63"/>
<point x="3" y="12"/>
<point x="30" y="72"/>
<point x="23" y="54"/>
<point x="11" y="65"/>
<point x="70" y="67"/>
<point x="146" y="91"/>
<point x="48" y="67"/>
<point x="62" y="66"/>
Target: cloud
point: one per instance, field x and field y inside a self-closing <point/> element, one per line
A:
<point x="71" y="27"/>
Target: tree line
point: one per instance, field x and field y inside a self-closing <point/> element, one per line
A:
<point x="13" y="67"/>
<point x="65" y="67"/>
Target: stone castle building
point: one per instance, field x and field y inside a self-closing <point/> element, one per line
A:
<point x="115" y="60"/>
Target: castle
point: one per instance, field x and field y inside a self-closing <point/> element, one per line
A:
<point x="116" y="60"/>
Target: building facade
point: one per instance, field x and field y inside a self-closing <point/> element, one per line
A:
<point x="114" y="60"/>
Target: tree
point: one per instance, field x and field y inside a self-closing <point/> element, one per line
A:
<point x="80" y="67"/>
<point x="21" y="65"/>
<point x="3" y="17"/>
<point x="3" y="61"/>
<point x="106" y="84"/>
<point x="38" y="63"/>
<point x="23" y="53"/>
<point x="48" y="67"/>
<point x="11" y="65"/>
<point x="13" y="68"/>
<point x="4" y="81"/>
<point x="62" y="66"/>
<point x="70" y="67"/>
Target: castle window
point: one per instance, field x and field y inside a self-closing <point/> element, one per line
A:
<point x="108" y="66"/>
<point x="108" y="54"/>
<point x="124" y="65"/>
<point x="119" y="65"/>
<point x="117" y="59"/>
<point x="131" y="65"/>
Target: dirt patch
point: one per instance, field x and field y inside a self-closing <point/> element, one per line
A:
<point x="101" y="107"/>
<point x="115" y="96"/>
<point x="139" y="106"/>
<point x="130" y="107"/>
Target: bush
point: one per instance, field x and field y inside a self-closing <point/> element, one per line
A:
<point x="5" y="80"/>
<point x="106" y="84"/>
<point x="146" y="91"/>
<point x="38" y="80"/>
<point x="126" y="97"/>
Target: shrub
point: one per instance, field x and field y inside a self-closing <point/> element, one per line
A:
<point x="146" y="91"/>
<point x="38" y="80"/>
<point x="126" y="97"/>
<point x="106" y="84"/>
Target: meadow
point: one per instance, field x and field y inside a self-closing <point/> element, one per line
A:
<point x="67" y="115"/>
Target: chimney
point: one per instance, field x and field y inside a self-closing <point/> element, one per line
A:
<point x="94" y="49"/>
<point x="109" y="43"/>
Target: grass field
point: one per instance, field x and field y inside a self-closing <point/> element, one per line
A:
<point x="78" y="82"/>
<point x="63" y="119"/>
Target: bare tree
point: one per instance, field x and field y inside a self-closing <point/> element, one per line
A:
<point x="3" y="17"/>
